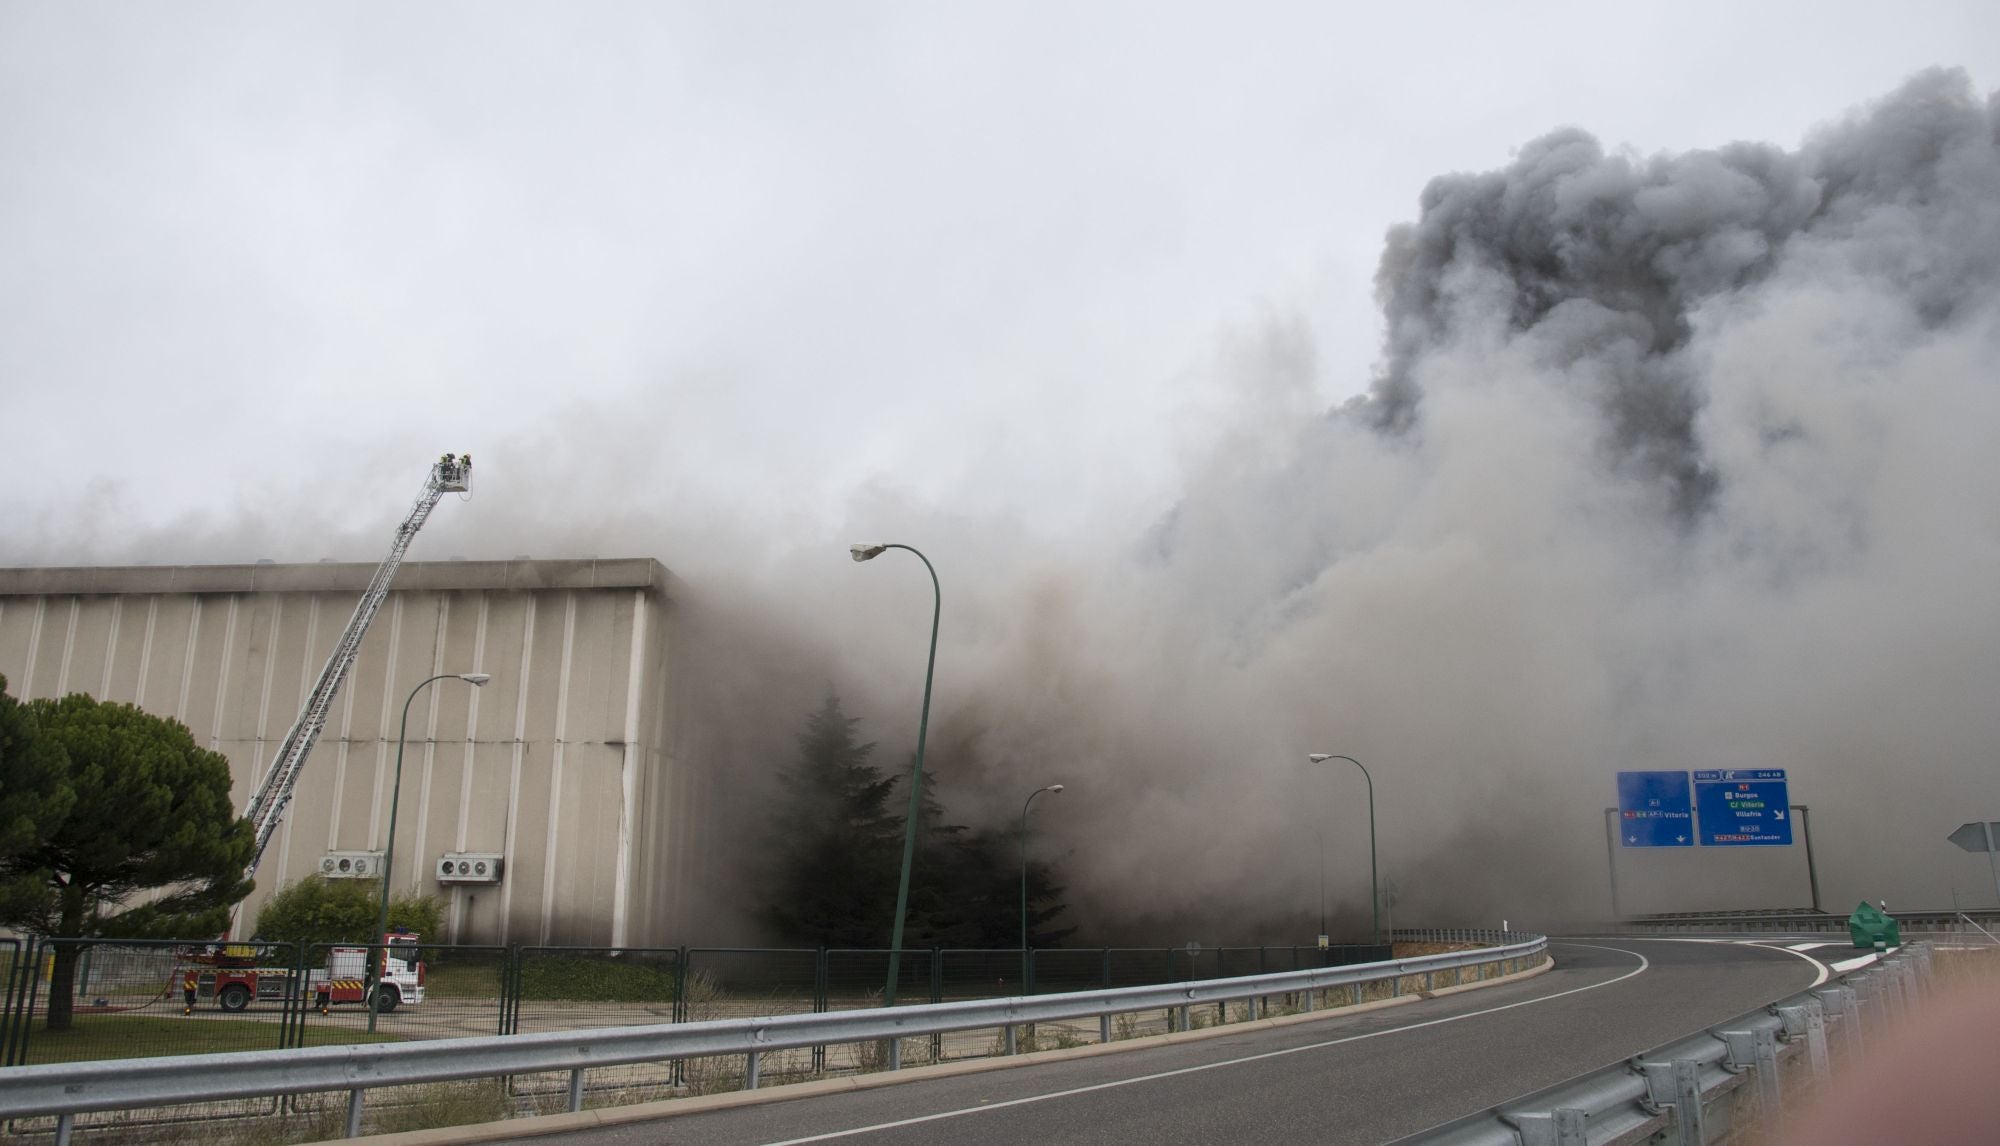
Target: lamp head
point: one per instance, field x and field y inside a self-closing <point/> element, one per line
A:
<point x="474" y="678"/>
<point x="1318" y="757"/>
<point x="865" y="552"/>
<point x="1053" y="788"/>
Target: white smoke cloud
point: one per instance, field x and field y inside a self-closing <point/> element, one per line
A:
<point x="1671" y="462"/>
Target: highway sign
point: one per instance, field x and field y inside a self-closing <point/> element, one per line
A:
<point x="1743" y="807"/>
<point x="1977" y="836"/>
<point x="1655" y="810"/>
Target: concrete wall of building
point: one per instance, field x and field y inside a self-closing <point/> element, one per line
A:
<point x="566" y="762"/>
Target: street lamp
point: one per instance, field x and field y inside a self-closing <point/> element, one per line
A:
<point x="375" y="965"/>
<point x="1374" y="889"/>
<point x="869" y="553"/>
<point x="1024" y="879"/>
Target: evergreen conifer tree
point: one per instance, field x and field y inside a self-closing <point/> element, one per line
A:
<point x="836" y="846"/>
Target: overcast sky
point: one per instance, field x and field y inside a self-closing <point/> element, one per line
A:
<point x="1701" y="471"/>
<point x="263" y="261"/>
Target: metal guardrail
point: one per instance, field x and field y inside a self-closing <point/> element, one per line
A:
<point x="1790" y="921"/>
<point x="1670" y="1093"/>
<point x="68" y="1089"/>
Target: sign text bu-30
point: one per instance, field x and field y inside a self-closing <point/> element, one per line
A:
<point x="1743" y="807"/>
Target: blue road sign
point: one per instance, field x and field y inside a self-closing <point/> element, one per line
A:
<point x="1743" y="807"/>
<point x="1654" y="810"/>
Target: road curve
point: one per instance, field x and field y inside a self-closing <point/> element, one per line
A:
<point x="1366" y="1078"/>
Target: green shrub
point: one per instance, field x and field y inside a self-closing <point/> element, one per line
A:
<point x="319" y="910"/>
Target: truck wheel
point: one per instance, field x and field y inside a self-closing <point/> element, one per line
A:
<point x="233" y="997"/>
<point x="387" y="998"/>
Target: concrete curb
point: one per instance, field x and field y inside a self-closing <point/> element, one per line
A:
<point x="543" y="1124"/>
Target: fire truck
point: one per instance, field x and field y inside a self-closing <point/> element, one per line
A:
<point x="238" y="974"/>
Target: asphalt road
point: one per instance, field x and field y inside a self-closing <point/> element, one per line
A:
<point x="1367" y="1078"/>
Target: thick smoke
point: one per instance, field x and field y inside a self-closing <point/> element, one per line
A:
<point x="1671" y="462"/>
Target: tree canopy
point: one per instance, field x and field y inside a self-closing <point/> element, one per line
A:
<point x="128" y="804"/>
<point x="33" y="797"/>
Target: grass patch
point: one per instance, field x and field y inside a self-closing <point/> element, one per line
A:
<point x="95" y="1038"/>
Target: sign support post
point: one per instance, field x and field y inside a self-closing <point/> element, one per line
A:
<point x="1812" y="873"/>
<point x="1611" y="854"/>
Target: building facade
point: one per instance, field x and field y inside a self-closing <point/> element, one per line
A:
<point x="565" y="766"/>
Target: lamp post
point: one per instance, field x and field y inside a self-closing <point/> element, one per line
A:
<point x="1374" y="888"/>
<point x="1024" y="879"/>
<point x="375" y="964"/>
<point x="868" y="553"/>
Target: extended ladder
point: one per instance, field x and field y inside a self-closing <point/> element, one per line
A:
<point x="266" y="811"/>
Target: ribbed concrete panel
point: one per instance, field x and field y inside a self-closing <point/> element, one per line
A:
<point x="565" y="762"/>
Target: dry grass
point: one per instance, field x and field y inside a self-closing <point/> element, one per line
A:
<point x="1966" y="967"/>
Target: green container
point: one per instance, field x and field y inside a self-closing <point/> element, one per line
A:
<point x="1871" y="927"/>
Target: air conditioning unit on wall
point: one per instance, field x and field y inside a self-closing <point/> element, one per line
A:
<point x="351" y="865"/>
<point x="469" y="867"/>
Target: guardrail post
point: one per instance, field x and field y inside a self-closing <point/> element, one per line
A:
<point x="820" y="1004"/>
<point x="750" y="1071"/>
<point x="1889" y="985"/>
<point x="1009" y="1045"/>
<point x="66" y="1123"/>
<point x="1866" y="1007"/>
<point x="937" y="996"/>
<point x="1104" y="1027"/>
<point x="1769" y="1087"/>
<point x="576" y="1090"/>
<point x="1810" y="1020"/>
<point x="1850" y="1013"/>
<point x="354" y="1113"/>
<point x="1687" y="1102"/>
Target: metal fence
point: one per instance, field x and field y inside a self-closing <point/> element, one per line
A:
<point x="552" y="1068"/>
<point x="131" y="998"/>
<point x="131" y="1001"/>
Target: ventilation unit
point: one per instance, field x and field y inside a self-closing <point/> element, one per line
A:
<point x="468" y="867"/>
<point x="351" y="865"/>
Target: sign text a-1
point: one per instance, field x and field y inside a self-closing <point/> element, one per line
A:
<point x="1655" y="810"/>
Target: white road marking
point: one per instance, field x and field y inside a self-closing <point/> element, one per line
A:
<point x="1824" y="972"/>
<point x="921" y="1119"/>
<point x="1809" y="946"/>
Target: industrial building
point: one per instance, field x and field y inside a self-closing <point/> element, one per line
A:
<point x="555" y="805"/>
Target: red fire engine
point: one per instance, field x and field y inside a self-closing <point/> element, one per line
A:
<point x="237" y="974"/>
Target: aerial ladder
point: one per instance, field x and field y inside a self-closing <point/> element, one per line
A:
<point x="450" y="474"/>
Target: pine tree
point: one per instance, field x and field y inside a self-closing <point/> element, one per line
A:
<point x="137" y="808"/>
<point x="836" y="845"/>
